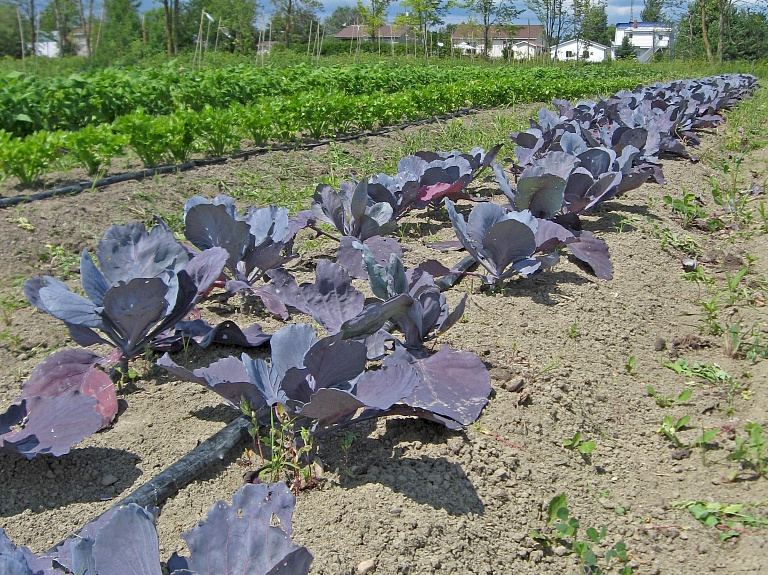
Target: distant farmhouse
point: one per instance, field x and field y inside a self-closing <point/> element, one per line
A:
<point x="388" y="34"/>
<point x="47" y="43"/>
<point x="646" y="38"/>
<point x="581" y="50"/>
<point x="523" y="39"/>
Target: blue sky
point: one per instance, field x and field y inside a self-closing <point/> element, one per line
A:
<point x="618" y="10"/>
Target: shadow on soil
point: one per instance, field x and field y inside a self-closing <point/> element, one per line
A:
<point x="425" y="479"/>
<point x="82" y="476"/>
<point x="544" y="288"/>
<point x="221" y="413"/>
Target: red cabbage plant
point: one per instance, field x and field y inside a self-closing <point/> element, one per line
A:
<point x="233" y="540"/>
<point x="66" y="398"/>
<point x="324" y="382"/>
<point x="138" y="297"/>
<point x="258" y="241"/>
<point x="357" y="219"/>
<point x="507" y="242"/>
<point x="426" y="177"/>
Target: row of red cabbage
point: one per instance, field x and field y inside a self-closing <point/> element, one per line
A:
<point x="143" y="290"/>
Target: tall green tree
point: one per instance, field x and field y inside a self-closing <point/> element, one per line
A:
<point x="590" y="21"/>
<point x="29" y="12"/>
<point x="653" y="11"/>
<point x="625" y="51"/>
<point x="238" y="17"/>
<point x="554" y="17"/>
<point x="373" y="15"/>
<point x="342" y="16"/>
<point x="745" y="37"/>
<point x="121" y="29"/>
<point x="168" y="24"/>
<point x="423" y="15"/>
<point x="10" y="41"/>
<point x="61" y="16"/>
<point x="155" y="23"/>
<point x="491" y="13"/>
<point x="292" y="19"/>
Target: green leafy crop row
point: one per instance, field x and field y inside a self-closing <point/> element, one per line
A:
<point x="29" y="104"/>
<point x="174" y="137"/>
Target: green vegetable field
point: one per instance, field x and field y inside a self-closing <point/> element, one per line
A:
<point x="167" y="115"/>
<point x="384" y="318"/>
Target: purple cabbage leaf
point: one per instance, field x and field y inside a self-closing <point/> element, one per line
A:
<point x="502" y="242"/>
<point x="236" y="539"/>
<point x="130" y="310"/>
<point x="258" y="241"/>
<point x="429" y="314"/>
<point x="66" y="399"/>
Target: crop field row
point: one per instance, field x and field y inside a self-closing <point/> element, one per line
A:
<point x="382" y="347"/>
<point x="28" y="104"/>
<point x="172" y="132"/>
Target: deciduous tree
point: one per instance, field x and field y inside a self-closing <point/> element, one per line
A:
<point x="422" y="15"/>
<point x="342" y="16"/>
<point x="653" y="11"/>
<point x="491" y="13"/>
<point x="554" y="18"/>
<point x="373" y="15"/>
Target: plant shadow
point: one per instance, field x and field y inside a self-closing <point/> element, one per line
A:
<point x="221" y="413"/>
<point x="86" y="475"/>
<point x="611" y="217"/>
<point x="393" y="461"/>
<point x="542" y="288"/>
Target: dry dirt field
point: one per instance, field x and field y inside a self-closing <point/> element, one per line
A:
<point x="414" y="497"/>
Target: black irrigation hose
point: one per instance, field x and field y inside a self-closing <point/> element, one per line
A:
<point x="181" y="473"/>
<point x="244" y="155"/>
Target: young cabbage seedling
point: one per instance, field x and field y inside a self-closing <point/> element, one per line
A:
<point x="670" y="427"/>
<point x="567" y="527"/>
<point x="630" y="365"/>
<point x="346" y="445"/>
<point x="667" y="401"/>
<point x="751" y="452"/>
<point x="583" y="447"/>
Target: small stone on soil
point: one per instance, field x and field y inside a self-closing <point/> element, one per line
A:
<point x="514" y="386"/>
<point x="682" y="453"/>
<point x="108" y="479"/>
<point x="366" y="567"/>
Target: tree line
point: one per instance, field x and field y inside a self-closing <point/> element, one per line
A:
<point x="114" y="31"/>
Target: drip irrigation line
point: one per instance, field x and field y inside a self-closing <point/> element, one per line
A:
<point x="181" y="473"/>
<point x="244" y="155"/>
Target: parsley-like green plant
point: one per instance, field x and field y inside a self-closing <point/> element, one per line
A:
<point x="566" y="532"/>
<point x="723" y="517"/>
<point x="751" y="452"/>
<point x="583" y="447"/>
<point x="668" y="400"/>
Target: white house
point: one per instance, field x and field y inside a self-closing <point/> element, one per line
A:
<point x="581" y="50"/>
<point x="526" y="49"/>
<point x="47" y="44"/>
<point x="524" y="39"/>
<point x="646" y="38"/>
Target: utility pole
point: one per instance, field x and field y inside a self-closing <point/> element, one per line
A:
<point x="21" y="34"/>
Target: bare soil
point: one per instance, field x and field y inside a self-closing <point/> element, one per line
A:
<point x="413" y="496"/>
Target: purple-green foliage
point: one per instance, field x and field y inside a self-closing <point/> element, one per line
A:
<point x="234" y="539"/>
<point x="146" y="284"/>
<point x="324" y="381"/>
